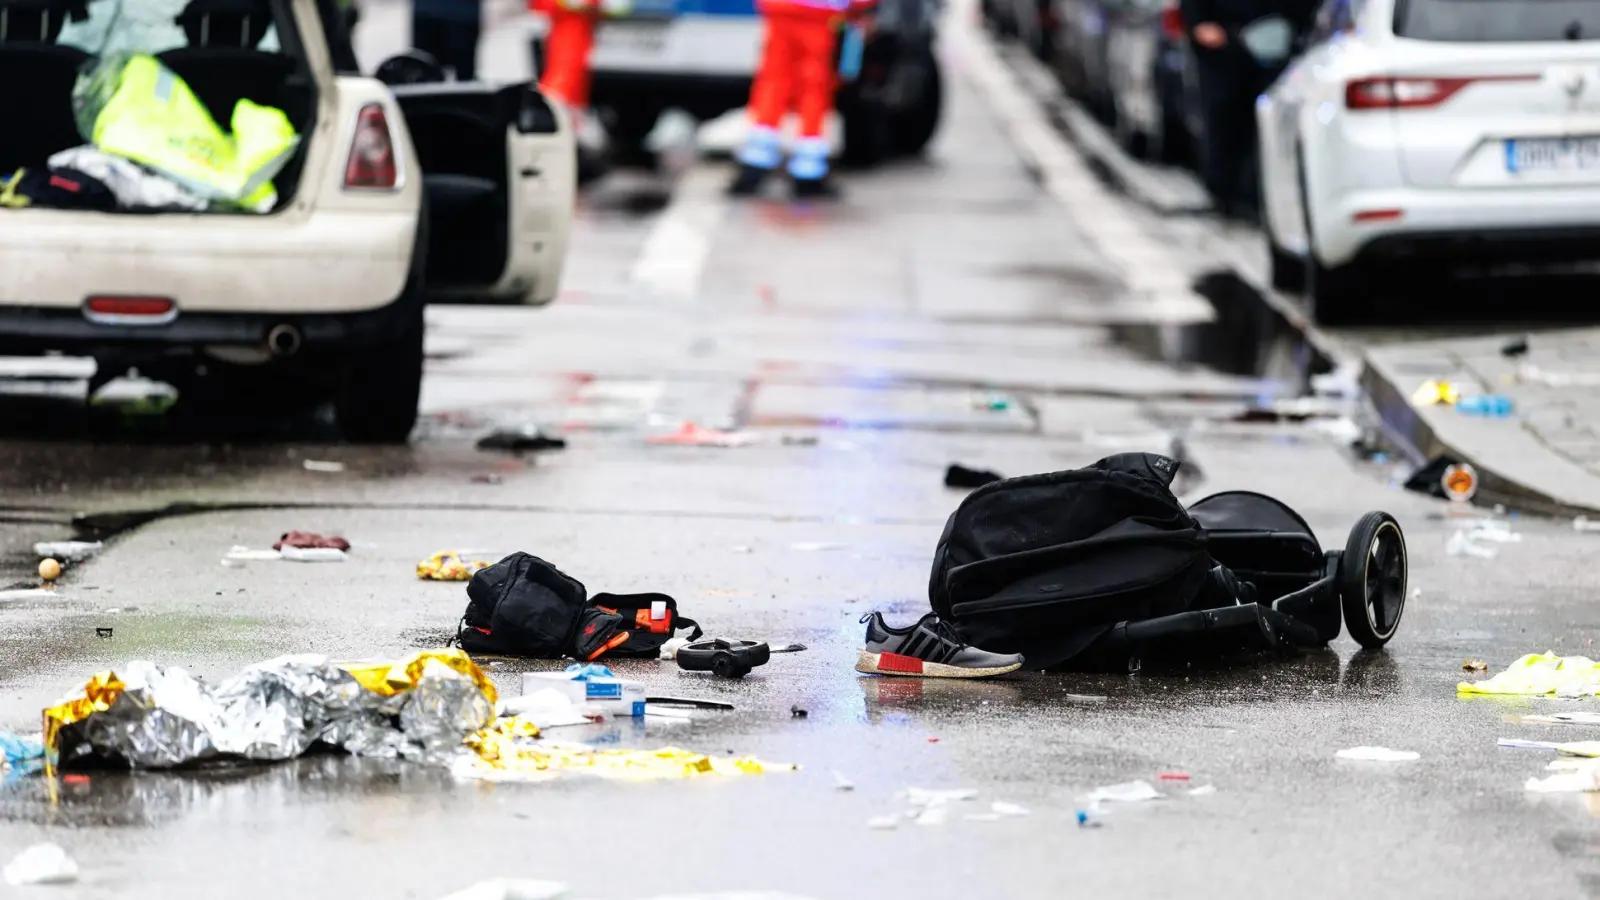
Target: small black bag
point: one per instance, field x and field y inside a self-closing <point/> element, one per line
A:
<point x="524" y="606"/>
<point x="1045" y="565"/>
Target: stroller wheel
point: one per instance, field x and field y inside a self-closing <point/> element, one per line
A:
<point x="1372" y="579"/>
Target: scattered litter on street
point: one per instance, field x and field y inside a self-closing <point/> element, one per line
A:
<point x="41" y="864"/>
<point x="323" y="465"/>
<point x="593" y="685"/>
<point x="1520" y="744"/>
<point x="924" y="797"/>
<point x="690" y="702"/>
<point x="521" y="440"/>
<point x="803" y="440"/>
<point x="1532" y="374"/>
<point x="883" y="823"/>
<point x="245" y="554"/>
<point x="789" y="648"/>
<point x="1475" y="665"/>
<point x="309" y="540"/>
<point x="486" y="478"/>
<point x="1433" y="393"/>
<point x="1126" y="792"/>
<point x="448" y="565"/>
<point x="1378" y="754"/>
<point x="983" y="817"/>
<point x="993" y="402"/>
<point x="1462" y="544"/>
<point x="933" y="815"/>
<point x="511" y="889"/>
<point x="796" y="712"/>
<point x="816" y="546"/>
<point x="49" y="569"/>
<point x="20" y="754"/>
<point x="1172" y="776"/>
<point x="67" y="551"/>
<point x="27" y="594"/>
<point x="509" y="750"/>
<point x="1489" y="406"/>
<point x="692" y="435"/>
<point x="959" y="476"/>
<point x="670" y="649"/>
<point x="550" y="708"/>
<point x="1204" y="790"/>
<point x="1582" y="523"/>
<point x="313" y="554"/>
<point x="1570" y="718"/>
<point x="1002" y="808"/>
<point x="1541" y="674"/>
<point x="841" y="783"/>
<point x="103" y="633"/>
<point x="1582" y="779"/>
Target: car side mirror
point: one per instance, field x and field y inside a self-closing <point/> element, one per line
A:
<point x="410" y="67"/>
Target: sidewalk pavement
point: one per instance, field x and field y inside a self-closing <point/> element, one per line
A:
<point x="1545" y="456"/>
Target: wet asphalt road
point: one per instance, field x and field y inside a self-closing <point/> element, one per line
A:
<point x="870" y="328"/>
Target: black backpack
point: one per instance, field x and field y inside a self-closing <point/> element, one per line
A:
<point x="524" y="606"/>
<point x="1045" y="565"/>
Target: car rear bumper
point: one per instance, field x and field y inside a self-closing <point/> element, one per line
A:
<point x="702" y="95"/>
<point x="35" y="331"/>
<point x="1511" y="225"/>
<point x="292" y="263"/>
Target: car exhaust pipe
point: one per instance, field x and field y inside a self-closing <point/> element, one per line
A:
<point x="283" y="340"/>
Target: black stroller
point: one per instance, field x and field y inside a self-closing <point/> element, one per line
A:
<point x="1101" y="568"/>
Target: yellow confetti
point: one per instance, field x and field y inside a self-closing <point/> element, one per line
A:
<point x="1431" y="393"/>
<point x="505" y="747"/>
<point x="447" y="565"/>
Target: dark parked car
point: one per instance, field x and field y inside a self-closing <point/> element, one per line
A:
<point x="1081" y="57"/>
<point x="1146" y="50"/>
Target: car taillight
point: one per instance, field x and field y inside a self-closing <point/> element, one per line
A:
<point x="1172" y="22"/>
<point x="1412" y="93"/>
<point x="371" y="163"/>
<point x="130" y="310"/>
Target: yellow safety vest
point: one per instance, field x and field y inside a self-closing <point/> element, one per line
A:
<point x="132" y="106"/>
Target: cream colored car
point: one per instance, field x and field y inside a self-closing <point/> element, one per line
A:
<point x="398" y="193"/>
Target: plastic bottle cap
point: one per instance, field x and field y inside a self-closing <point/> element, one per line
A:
<point x="1460" y="482"/>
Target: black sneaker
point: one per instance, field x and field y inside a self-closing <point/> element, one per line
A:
<point x="815" y="189"/>
<point x="928" y="649"/>
<point x="749" y="181"/>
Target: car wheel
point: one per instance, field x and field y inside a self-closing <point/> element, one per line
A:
<point x="915" y="127"/>
<point x="625" y="136"/>
<point x="378" y="387"/>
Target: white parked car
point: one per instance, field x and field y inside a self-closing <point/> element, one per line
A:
<point x="395" y="195"/>
<point x="1429" y="131"/>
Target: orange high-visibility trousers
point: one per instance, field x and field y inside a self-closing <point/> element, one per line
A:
<point x="796" y="71"/>
<point x="567" y="47"/>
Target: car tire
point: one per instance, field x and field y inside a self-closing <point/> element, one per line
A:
<point x="914" y="128"/>
<point x="379" y="386"/>
<point x="625" y="137"/>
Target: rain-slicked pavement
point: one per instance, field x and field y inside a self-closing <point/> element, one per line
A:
<point x="880" y="329"/>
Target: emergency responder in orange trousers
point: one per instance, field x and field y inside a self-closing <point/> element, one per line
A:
<point x="567" y="46"/>
<point x="797" y="72"/>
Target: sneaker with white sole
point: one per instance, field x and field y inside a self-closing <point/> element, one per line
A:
<point x="928" y="649"/>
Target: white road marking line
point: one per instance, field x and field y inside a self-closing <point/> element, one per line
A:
<point x="1148" y="272"/>
<point x="675" y="252"/>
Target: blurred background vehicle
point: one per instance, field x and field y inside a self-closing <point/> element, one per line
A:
<point x="700" y="56"/>
<point x="1434" y="132"/>
<point x="1145" y="50"/>
<point x="1081" y="53"/>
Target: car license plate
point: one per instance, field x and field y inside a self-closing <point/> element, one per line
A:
<point x="1553" y="154"/>
<point x="635" y="38"/>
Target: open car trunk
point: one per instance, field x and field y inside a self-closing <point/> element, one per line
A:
<point x="224" y="51"/>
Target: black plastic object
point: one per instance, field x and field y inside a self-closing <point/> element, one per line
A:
<point x="959" y="476"/>
<point x="725" y="659"/>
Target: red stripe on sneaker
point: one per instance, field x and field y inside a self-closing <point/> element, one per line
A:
<point x="894" y="662"/>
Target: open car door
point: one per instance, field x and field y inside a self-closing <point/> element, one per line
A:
<point x="499" y="176"/>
